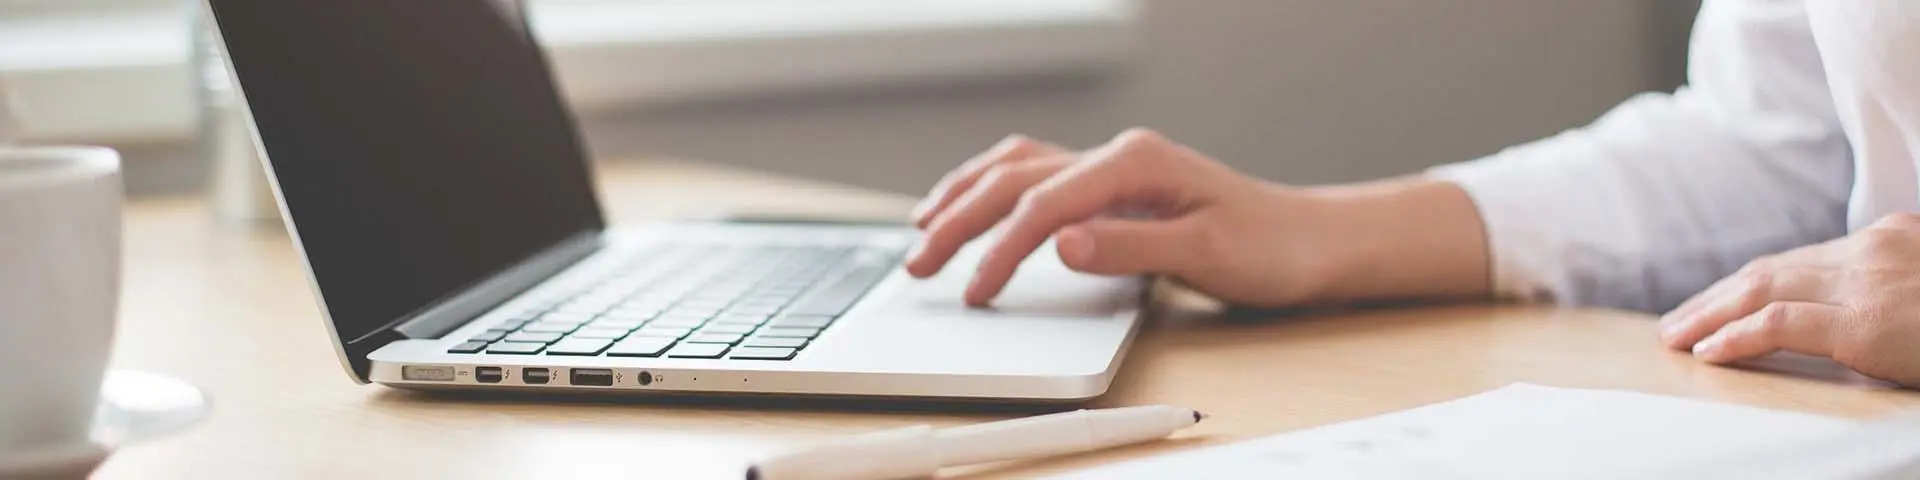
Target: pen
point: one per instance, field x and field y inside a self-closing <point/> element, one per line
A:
<point x="920" y="451"/>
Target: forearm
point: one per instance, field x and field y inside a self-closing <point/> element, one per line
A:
<point x="1406" y="238"/>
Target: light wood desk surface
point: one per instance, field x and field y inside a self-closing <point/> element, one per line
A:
<point x="230" y="310"/>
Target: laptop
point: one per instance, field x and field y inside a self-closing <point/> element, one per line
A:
<point x="437" y="189"/>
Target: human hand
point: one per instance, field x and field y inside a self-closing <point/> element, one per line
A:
<point x="1140" y="204"/>
<point x="1855" y="299"/>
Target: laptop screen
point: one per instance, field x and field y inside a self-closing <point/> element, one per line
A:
<point x="420" y="146"/>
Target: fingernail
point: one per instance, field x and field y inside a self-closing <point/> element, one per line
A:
<point x="1076" y="246"/>
<point x="1669" y="329"/>
<point x="972" y="294"/>
<point x="919" y="212"/>
<point x="913" y="256"/>
<point x="1706" y="347"/>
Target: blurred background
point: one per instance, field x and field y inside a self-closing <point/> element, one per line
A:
<point x="891" y="93"/>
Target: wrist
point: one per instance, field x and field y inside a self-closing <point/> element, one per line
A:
<point x="1410" y="238"/>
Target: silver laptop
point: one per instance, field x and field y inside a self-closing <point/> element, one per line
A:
<point x="437" y="189"/>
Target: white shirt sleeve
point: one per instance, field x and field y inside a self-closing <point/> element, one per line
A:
<point x="1667" y="193"/>
<point x="1871" y="53"/>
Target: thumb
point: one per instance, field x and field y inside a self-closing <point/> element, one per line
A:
<point x="1114" y="246"/>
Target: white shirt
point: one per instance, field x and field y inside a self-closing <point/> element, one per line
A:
<point x="1799" y="123"/>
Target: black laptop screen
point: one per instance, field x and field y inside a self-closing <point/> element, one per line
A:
<point x="420" y="145"/>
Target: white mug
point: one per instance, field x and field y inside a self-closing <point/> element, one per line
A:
<point x="59" y="291"/>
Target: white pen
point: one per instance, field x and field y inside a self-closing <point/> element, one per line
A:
<point x="920" y="451"/>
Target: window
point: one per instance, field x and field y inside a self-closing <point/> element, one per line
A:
<point x="116" y="70"/>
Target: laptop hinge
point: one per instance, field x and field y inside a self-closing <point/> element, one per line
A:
<point x="461" y="308"/>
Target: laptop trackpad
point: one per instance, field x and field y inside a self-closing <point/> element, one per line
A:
<point x="1048" y="321"/>
<point x="1043" y="287"/>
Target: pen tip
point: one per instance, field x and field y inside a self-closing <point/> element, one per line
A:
<point x="1197" y="416"/>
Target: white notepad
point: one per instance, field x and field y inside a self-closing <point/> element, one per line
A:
<point x="1520" y="431"/>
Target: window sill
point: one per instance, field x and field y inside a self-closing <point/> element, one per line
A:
<point x="123" y="77"/>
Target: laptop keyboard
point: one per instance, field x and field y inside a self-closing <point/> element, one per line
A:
<point x="745" y="302"/>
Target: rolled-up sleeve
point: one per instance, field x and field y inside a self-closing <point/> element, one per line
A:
<point x="1668" y="192"/>
<point x="1871" y="50"/>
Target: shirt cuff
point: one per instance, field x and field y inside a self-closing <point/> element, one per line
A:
<point x="1522" y="255"/>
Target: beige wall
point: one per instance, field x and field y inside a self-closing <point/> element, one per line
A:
<point x="1307" y="91"/>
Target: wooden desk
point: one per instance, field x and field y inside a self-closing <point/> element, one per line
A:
<point x="229" y="309"/>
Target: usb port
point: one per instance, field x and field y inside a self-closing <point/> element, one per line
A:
<point x="488" y="374"/>
<point x="596" y="377"/>
<point x="535" y="376"/>
<point x="426" y="373"/>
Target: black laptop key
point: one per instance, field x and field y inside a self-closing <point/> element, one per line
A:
<point x="563" y="318"/>
<point x="716" y="293"/>
<point x="700" y="307"/>
<point x="490" y="336"/>
<point x="516" y="348"/>
<point x="549" y="327"/>
<point x="721" y="338"/>
<point x="781" y="293"/>
<point x="662" y="332"/>
<point x="633" y="314"/>
<point x="646" y="303"/>
<point x="726" y="328"/>
<point x="533" y="337"/>
<point x="640" y="347"/>
<point x="677" y="322"/>
<point x="610" y="323"/>
<point x="600" y="332"/>
<point x="698" y="350"/>
<point x="762" y="353"/>
<point x="775" y="342"/>
<point x="803" y="321"/>
<point x="834" y="299"/>
<point x="579" y="346"/>
<point x="790" y="332"/>
<point x="645" y="299"/>
<point x="702" y="313"/>
<point x="578" y="309"/>
<point x="767" y="299"/>
<point x="751" y="320"/>
<point x="727" y="291"/>
<point x="472" y="346"/>
<point x="754" y="309"/>
<point x="599" y="299"/>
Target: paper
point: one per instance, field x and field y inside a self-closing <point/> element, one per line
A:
<point x="1517" y="432"/>
<point x="1886" y="449"/>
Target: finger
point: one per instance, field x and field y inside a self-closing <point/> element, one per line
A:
<point x="1013" y="149"/>
<point x="1792" y="326"/>
<point x="1678" y="328"/>
<point x="1115" y="246"/>
<point x="1132" y="167"/>
<point x="1742" y="295"/>
<point x="972" y="214"/>
<point x="1693" y="304"/>
<point x="1811" y="256"/>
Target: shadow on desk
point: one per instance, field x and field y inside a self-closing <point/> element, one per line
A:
<point x="1142" y="450"/>
<point x="1811" y="368"/>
